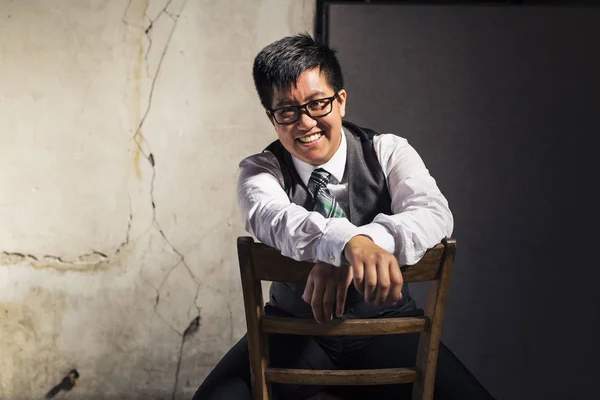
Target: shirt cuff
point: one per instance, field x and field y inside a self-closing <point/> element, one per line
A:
<point x="336" y="234"/>
<point x="380" y="236"/>
<point x="405" y="251"/>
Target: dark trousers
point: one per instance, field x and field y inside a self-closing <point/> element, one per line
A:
<point x="230" y="379"/>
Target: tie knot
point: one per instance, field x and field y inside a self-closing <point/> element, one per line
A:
<point x="318" y="179"/>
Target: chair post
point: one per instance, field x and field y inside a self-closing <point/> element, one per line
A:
<point x="254" y="306"/>
<point x="430" y="339"/>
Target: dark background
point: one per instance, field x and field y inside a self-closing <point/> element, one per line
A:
<point x="502" y="103"/>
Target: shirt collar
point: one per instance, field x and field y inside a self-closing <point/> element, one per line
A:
<point x="335" y="166"/>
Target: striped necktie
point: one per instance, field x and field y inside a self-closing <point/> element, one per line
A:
<point x="325" y="203"/>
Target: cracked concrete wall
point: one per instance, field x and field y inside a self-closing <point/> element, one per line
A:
<point x="122" y="126"/>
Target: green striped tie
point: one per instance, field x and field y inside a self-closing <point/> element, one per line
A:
<point x="325" y="203"/>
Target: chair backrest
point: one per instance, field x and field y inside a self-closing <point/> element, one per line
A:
<point x="259" y="262"/>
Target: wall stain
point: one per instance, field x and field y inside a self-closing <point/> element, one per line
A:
<point x="134" y="18"/>
<point x="66" y="384"/>
<point x="28" y="343"/>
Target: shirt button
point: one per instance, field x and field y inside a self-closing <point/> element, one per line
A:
<point x="331" y="258"/>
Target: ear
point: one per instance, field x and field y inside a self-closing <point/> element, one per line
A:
<point x="342" y="100"/>
<point x="270" y="117"/>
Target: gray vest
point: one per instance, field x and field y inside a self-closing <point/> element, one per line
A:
<point x="368" y="196"/>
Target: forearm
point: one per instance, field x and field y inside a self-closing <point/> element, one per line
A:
<point x="270" y="216"/>
<point x="301" y="234"/>
<point x="423" y="221"/>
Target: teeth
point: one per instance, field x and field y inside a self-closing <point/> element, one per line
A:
<point x="311" y="138"/>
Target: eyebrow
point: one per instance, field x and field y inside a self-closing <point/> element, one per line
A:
<point x="315" y="95"/>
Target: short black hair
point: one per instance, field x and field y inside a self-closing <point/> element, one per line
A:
<point x="279" y="65"/>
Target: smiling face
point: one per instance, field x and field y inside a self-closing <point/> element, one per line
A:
<point x="312" y="140"/>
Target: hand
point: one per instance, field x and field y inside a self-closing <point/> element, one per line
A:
<point x="326" y="283"/>
<point x="376" y="271"/>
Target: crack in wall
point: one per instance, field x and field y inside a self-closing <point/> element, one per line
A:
<point x="137" y="137"/>
<point x="149" y="27"/>
<point x="143" y="146"/>
<point x="86" y="262"/>
<point x="157" y="299"/>
<point x="150" y="371"/>
<point x="190" y="331"/>
<point x="194" y="304"/>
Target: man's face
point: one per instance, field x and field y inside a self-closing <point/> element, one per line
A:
<point x="312" y="140"/>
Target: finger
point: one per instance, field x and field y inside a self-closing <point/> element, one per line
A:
<point x="396" y="282"/>
<point x="308" y="290"/>
<point x="328" y="297"/>
<point x="383" y="281"/>
<point x="359" y="275"/>
<point x="370" y="282"/>
<point x="340" y="296"/>
<point x="316" y="302"/>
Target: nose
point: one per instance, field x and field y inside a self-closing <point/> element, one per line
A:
<point x="305" y="121"/>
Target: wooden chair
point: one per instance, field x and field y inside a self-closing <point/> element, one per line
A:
<point x="259" y="262"/>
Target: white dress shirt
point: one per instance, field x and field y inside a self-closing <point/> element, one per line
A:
<point x="420" y="215"/>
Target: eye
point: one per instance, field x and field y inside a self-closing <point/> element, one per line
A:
<point x="286" y="111"/>
<point x="285" y="114"/>
<point x="317" y="105"/>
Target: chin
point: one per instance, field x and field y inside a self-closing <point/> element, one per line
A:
<point x="317" y="161"/>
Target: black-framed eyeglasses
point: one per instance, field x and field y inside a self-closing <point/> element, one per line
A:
<point x="315" y="108"/>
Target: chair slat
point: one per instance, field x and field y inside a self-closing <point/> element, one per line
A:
<point x="268" y="264"/>
<point x="384" y="376"/>
<point x="427" y="269"/>
<point x="379" y="326"/>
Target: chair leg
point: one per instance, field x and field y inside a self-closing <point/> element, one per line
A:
<point x="417" y="391"/>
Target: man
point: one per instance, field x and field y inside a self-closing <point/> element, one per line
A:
<point x="358" y="204"/>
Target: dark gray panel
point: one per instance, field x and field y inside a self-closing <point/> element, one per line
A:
<point x="502" y="104"/>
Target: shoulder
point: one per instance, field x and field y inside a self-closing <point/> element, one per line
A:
<point x="389" y="140"/>
<point x="261" y="163"/>
<point x="386" y="144"/>
<point x="394" y="152"/>
<point x="379" y="139"/>
<point x="265" y="159"/>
